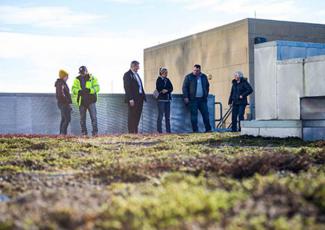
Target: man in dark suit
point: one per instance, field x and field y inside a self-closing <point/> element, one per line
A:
<point x="134" y="96"/>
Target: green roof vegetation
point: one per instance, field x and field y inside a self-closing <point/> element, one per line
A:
<point x="189" y="181"/>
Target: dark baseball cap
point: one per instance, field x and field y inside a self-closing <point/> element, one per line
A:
<point x="83" y="69"/>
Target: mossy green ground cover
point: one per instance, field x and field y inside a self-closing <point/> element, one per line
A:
<point x="193" y="181"/>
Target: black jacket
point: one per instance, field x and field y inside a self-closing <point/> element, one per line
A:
<point x="243" y="88"/>
<point x="131" y="87"/>
<point x="62" y="92"/>
<point x="190" y="83"/>
<point x="164" y="83"/>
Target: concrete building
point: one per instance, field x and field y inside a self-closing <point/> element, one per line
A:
<point x="222" y="51"/>
<point x="292" y="103"/>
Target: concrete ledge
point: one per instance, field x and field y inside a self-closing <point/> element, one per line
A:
<point x="281" y="132"/>
<point x="272" y="124"/>
<point x="272" y="132"/>
<point x="272" y="128"/>
<point x="250" y="131"/>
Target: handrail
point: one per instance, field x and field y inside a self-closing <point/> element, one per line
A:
<point x="225" y="117"/>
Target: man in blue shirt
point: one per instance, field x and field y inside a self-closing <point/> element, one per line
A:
<point x="195" y="93"/>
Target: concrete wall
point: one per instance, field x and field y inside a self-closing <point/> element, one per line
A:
<point x="282" y="30"/>
<point x="280" y="83"/>
<point x="289" y="89"/>
<point x="265" y="83"/>
<point x="314" y="76"/>
<point x="38" y="114"/>
<point x="221" y="51"/>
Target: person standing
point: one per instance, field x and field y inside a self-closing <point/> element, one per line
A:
<point x="195" y="92"/>
<point x="165" y="88"/>
<point x="238" y="99"/>
<point x="86" y="88"/>
<point x="134" y="96"/>
<point x="64" y="100"/>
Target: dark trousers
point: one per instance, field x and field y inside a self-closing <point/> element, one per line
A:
<point x="134" y="115"/>
<point x="163" y="108"/>
<point x="65" y="118"/>
<point x="93" y="116"/>
<point x="238" y="111"/>
<point x="199" y="104"/>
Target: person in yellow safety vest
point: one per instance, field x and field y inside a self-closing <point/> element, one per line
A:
<point x="86" y="88"/>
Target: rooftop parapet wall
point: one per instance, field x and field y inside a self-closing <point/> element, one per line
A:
<point x="38" y="114"/>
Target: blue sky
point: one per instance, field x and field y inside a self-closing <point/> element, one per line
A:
<point x="37" y="38"/>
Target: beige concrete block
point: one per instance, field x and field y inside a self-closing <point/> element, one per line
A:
<point x="289" y="81"/>
<point x="314" y="76"/>
<point x="281" y="132"/>
<point x="250" y="131"/>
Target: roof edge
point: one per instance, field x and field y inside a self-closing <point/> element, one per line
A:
<point x="242" y="21"/>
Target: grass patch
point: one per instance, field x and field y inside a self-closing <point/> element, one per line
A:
<point x="189" y="181"/>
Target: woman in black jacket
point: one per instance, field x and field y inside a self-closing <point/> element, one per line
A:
<point x="238" y="99"/>
<point x="164" y="87"/>
<point x="64" y="101"/>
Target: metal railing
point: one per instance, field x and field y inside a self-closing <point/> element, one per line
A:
<point x="223" y="118"/>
